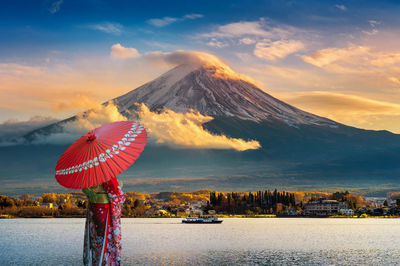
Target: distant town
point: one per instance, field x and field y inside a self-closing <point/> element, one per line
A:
<point x="205" y="203"/>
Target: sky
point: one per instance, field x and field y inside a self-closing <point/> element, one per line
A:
<point x="338" y="59"/>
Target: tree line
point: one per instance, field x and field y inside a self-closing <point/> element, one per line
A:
<point x="260" y="202"/>
<point x="65" y="205"/>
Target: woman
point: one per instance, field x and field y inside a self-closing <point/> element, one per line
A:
<point x="102" y="244"/>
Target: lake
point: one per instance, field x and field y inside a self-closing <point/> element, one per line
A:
<point x="237" y="241"/>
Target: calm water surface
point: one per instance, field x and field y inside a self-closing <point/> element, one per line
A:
<point x="293" y="241"/>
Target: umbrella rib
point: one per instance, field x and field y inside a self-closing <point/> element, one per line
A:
<point x="134" y="156"/>
<point x="75" y="148"/>
<point x="88" y="158"/>
<point x="64" y="160"/>
<point x="111" y="159"/>
<point x="111" y="135"/>
<point x="84" y="158"/>
<point x="64" y="164"/>
<point x="75" y="180"/>
<point x="136" y="148"/>
<point x="81" y="158"/>
<point x="94" y="148"/>
<point x="101" y="167"/>
<point x="105" y="171"/>
<point x="131" y="154"/>
<point x="116" y="161"/>
<point x="72" y="152"/>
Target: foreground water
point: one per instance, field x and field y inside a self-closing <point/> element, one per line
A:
<point x="293" y="241"/>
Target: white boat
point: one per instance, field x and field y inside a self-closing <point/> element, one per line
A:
<point x="201" y="220"/>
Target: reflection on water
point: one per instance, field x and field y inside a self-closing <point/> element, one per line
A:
<point x="236" y="241"/>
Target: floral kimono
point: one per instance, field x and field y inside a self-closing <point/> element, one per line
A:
<point x="102" y="242"/>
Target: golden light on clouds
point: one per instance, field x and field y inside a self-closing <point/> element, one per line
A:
<point x="325" y="57"/>
<point x="349" y="109"/>
<point x="118" y="51"/>
<point x="80" y="101"/>
<point x="347" y="104"/>
<point x="355" y="59"/>
<point x="169" y="128"/>
<point x="194" y="58"/>
<point x="98" y="115"/>
<point x="185" y="130"/>
<point x="62" y="89"/>
<point x="279" y="49"/>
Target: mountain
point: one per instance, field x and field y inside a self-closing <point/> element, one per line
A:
<point x="240" y="109"/>
<point x="216" y="91"/>
<point x="211" y="89"/>
<point x="299" y="149"/>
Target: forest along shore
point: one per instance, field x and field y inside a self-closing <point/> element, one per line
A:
<point x="264" y="204"/>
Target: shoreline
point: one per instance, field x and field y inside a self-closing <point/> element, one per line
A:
<point x="218" y="216"/>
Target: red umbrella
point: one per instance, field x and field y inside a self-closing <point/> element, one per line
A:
<point x="101" y="154"/>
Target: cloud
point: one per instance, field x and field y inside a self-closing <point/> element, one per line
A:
<point x="96" y="116"/>
<point x="268" y="50"/>
<point x="341" y="7"/>
<point x="192" y="16"/>
<point x="80" y="101"/>
<point x="261" y="28"/>
<point x="215" y="43"/>
<point x="247" y="41"/>
<point x="345" y="104"/>
<point x="238" y="29"/>
<point x="55" y="6"/>
<point x="263" y="31"/>
<point x="349" y="109"/>
<point x="325" y="57"/>
<point x="193" y="59"/>
<point x="384" y="59"/>
<point x="170" y="128"/>
<point x="107" y="27"/>
<point x="373" y="30"/>
<point x="186" y="131"/>
<point x="356" y="60"/>
<point x="162" y="22"/>
<point x="183" y="57"/>
<point x="394" y="80"/>
<point x="118" y="51"/>
<point x="12" y="129"/>
<point x="12" y="69"/>
<point x="42" y="89"/>
<point x="374" y="22"/>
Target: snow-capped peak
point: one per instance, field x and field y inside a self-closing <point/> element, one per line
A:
<point x="213" y="88"/>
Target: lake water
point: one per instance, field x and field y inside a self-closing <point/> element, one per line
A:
<point x="262" y="241"/>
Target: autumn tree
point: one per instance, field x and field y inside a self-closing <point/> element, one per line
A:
<point x="49" y="198"/>
<point x="6" y="201"/>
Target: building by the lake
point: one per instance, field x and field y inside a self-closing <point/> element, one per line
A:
<point x="323" y="207"/>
